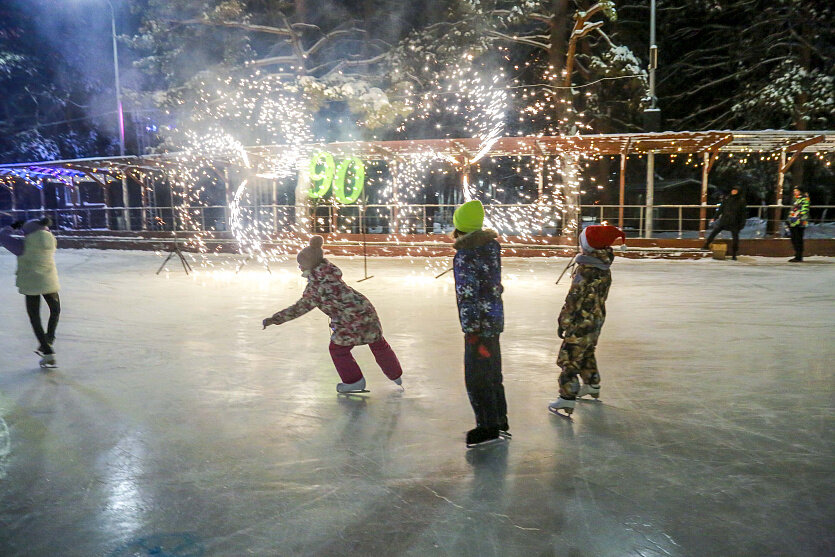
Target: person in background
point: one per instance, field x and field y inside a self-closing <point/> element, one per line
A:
<point x="37" y="276"/>
<point x="731" y="216"/>
<point x="798" y="221"/>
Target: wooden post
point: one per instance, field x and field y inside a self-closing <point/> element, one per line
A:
<point x="302" y="201"/>
<point x="394" y="225"/>
<point x="43" y="196"/>
<point x="275" y="209"/>
<point x="703" y="199"/>
<point x="125" y="199"/>
<point x="143" y="202"/>
<point x="74" y="194"/>
<point x="650" y="193"/>
<point x="777" y="214"/>
<point x="106" y="192"/>
<point x="622" y="189"/>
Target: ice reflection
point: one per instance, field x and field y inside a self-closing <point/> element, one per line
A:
<point x="5" y="447"/>
<point x="125" y="508"/>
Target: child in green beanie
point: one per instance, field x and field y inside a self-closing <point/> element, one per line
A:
<point x="478" y="290"/>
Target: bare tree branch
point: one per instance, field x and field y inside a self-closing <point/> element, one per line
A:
<point x="518" y="40"/>
<point x="331" y="36"/>
<point x="245" y="26"/>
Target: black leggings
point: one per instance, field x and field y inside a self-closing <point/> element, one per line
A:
<point x="33" y="308"/>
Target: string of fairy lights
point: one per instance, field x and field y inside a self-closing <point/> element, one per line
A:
<point x="240" y="133"/>
<point x="467" y="99"/>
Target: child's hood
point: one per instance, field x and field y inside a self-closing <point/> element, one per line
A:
<point x="599" y="258"/>
<point x="32" y="226"/>
<point x="475" y="239"/>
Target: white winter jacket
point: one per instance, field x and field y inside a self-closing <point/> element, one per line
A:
<point x="36" y="270"/>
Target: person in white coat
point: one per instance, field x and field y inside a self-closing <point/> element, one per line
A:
<point x="37" y="276"/>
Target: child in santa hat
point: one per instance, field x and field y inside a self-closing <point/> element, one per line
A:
<point x="478" y="288"/>
<point x="582" y="317"/>
<point x="353" y="319"/>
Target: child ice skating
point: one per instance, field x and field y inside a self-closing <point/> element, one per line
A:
<point x="353" y="319"/>
<point x="478" y="290"/>
<point x="582" y="316"/>
<point x="37" y="276"/>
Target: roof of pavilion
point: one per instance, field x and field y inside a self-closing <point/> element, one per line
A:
<point x="467" y="150"/>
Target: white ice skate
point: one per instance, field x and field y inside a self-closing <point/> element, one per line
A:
<point x="48" y="361"/>
<point x="349" y="388"/>
<point x="562" y="407"/>
<point x="591" y="390"/>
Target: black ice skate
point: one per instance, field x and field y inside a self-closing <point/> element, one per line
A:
<point x="483" y="436"/>
<point x="48" y="361"/>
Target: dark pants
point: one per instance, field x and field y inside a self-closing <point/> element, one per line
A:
<point x="483" y="379"/>
<point x="33" y="308"/>
<point x="734" y="234"/>
<point x="797" y="240"/>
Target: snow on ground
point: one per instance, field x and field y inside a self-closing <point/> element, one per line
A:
<point x="176" y="426"/>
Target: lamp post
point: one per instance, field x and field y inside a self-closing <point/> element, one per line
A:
<point x="652" y="121"/>
<point x="120" y="116"/>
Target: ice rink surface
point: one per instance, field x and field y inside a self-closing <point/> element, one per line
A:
<point x="175" y="426"/>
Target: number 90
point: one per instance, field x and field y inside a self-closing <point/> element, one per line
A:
<point x="324" y="174"/>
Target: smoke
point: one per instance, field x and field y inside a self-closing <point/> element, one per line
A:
<point x="73" y="41"/>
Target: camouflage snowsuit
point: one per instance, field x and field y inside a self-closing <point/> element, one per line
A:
<point x="581" y="319"/>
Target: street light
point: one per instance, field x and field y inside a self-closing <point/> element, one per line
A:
<point x="119" y="113"/>
<point x="120" y="116"/>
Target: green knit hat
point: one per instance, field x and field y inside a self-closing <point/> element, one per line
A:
<point x="469" y="217"/>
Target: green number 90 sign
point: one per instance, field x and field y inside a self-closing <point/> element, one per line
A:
<point x="324" y="173"/>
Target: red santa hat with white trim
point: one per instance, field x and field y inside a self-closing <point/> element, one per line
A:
<point x="599" y="236"/>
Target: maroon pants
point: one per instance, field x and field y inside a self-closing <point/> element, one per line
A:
<point x="348" y="369"/>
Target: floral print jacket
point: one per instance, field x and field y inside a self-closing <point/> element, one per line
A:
<point x="585" y="305"/>
<point x="478" y="283"/>
<point x="354" y="320"/>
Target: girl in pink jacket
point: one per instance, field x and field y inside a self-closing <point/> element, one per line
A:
<point x="353" y="319"/>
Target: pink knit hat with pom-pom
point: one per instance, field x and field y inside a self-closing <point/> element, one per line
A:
<point x="312" y="255"/>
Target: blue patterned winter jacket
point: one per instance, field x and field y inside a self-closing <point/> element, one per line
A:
<point x="478" y="283"/>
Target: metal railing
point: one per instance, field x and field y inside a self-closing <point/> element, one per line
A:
<point x="669" y="221"/>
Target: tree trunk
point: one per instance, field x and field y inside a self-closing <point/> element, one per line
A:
<point x="799" y="107"/>
<point x="559" y="37"/>
<point x="557" y="52"/>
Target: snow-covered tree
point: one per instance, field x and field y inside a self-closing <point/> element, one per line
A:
<point x="748" y="64"/>
<point x="41" y="109"/>
<point x="323" y="57"/>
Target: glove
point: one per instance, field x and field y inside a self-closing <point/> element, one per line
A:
<point x="475" y="338"/>
<point x="560" y="333"/>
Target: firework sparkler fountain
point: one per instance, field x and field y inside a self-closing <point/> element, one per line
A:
<point x="274" y="118"/>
